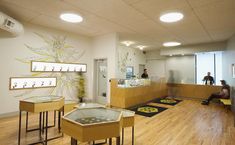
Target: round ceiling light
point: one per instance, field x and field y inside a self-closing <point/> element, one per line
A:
<point x="141" y="47"/>
<point x="127" y="43"/>
<point x="170" y="44"/>
<point x="171" y="17"/>
<point x="71" y="17"/>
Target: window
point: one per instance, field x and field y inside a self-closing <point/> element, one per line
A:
<point x="208" y="62"/>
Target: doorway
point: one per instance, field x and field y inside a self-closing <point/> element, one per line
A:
<point x="141" y="69"/>
<point x="100" y="80"/>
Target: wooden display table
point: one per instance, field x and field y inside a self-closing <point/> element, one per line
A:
<point x="128" y="117"/>
<point x="128" y="120"/>
<point x="89" y="124"/>
<point x="41" y="105"/>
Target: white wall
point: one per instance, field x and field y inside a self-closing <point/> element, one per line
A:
<point x="129" y="56"/>
<point x="192" y="49"/>
<point x="105" y="47"/>
<point x="15" y="48"/>
<point x="156" y="68"/>
<point x="228" y="58"/>
<point x="156" y="64"/>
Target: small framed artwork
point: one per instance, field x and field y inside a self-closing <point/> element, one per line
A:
<point x="233" y="70"/>
<point x="37" y="66"/>
<point x="129" y="72"/>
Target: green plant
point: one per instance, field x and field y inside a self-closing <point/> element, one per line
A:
<point x="81" y="86"/>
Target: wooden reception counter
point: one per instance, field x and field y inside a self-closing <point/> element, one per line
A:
<point x="125" y="97"/>
<point x="192" y="90"/>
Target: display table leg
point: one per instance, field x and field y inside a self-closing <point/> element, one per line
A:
<point x="110" y="141"/>
<point x="27" y="117"/>
<point x="40" y="125"/>
<point x="19" y="134"/>
<point x="54" y="119"/>
<point x="59" y="116"/>
<point x="73" y="141"/>
<point x="118" y="140"/>
<point x="122" y="136"/>
<point x="46" y="127"/>
<point x="43" y="120"/>
<point x="133" y="135"/>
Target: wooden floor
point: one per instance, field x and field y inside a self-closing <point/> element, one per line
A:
<point x="187" y="123"/>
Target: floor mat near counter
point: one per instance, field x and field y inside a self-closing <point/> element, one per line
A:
<point x="147" y="110"/>
<point x="167" y="101"/>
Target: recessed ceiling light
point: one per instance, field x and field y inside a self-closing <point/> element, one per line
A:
<point x="171" y="17"/>
<point x="170" y="44"/>
<point x="127" y="43"/>
<point x="71" y="17"/>
<point x="141" y="47"/>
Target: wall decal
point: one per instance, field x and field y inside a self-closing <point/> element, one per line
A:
<point x="54" y="49"/>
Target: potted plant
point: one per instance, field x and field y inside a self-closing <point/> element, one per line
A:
<point x="81" y="87"/>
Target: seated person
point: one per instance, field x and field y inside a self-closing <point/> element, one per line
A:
<point x="223" y="94"/>
<point x="208" y="79"/>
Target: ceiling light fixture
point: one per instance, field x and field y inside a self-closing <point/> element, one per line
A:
<point x="171" y="17"/>
<point x="127" y="43"/>
<point x="71" y="17"/>
<point x="170" y="44"/>
<point x="141" y="47"/>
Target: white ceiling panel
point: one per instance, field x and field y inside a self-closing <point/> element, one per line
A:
<point x="218" y="17"/>
<point x="18" y="12"/>
<point x="112" y="9"/>
<point x="154" y="8"/>
<point x="136" y="20"/>
<point x="57" y="24"/>
<point x="202" y="3"/>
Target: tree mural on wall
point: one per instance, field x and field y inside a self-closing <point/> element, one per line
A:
<point x="55" y="49"/>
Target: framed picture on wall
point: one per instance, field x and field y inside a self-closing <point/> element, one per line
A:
<point x="129" y="72"/>
<point x="233" y="70"/>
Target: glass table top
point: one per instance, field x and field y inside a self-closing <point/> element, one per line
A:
<point x="125" y="112"/>
<point x="41" y="99"/>
<point x="89" y="105"/>
<point x="88" y="116"/>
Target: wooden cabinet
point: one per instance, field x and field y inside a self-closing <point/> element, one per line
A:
<point x="125" y="97"/>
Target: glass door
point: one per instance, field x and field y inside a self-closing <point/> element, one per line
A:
<point x="101" y="80"/>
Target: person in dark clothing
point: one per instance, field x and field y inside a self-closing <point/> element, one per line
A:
<point x="208" y="79"/>
<point x="223" y="94"/>
<point x="145" y="74"/>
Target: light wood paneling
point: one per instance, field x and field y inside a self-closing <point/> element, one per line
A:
<point x="127" y="97"/>
<point x="128" y="121"/>
<point x="193" y="90"/>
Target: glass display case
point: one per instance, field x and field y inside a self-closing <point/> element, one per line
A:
<point x="88" y="116"/>
<point x="126" y="83"/>
<point x="41" y="99"/>
<point x="90" y="124"/>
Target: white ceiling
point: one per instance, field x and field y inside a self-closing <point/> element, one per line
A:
<point x="134" y="20"/>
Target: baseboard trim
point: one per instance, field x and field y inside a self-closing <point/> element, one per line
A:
<point x="11" y="114"/>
